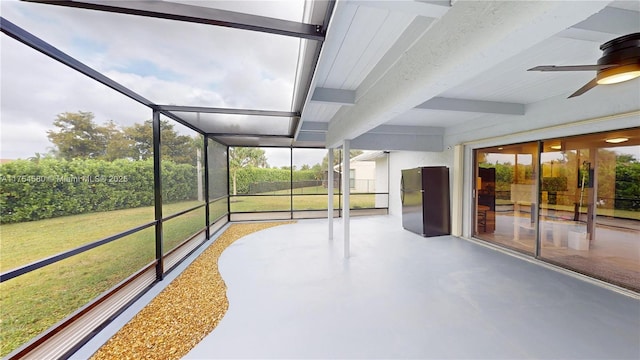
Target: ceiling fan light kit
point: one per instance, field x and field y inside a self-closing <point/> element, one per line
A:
<point x="618" y="74"/>
<point x="617" y="140"/>
<point x="620" y="62"/>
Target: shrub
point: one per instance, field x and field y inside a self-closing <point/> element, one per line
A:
<point x="47" y="188"/>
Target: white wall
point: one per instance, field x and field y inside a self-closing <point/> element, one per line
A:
<point x="382" y="181"/>
<point x="399" y="160"/>
<point x="365" y="172"/>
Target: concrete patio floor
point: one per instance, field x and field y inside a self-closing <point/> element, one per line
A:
<point x="292" y="295"/>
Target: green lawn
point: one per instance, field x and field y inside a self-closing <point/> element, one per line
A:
<point x="300" y="202"/>
<point x="31" y="303"/>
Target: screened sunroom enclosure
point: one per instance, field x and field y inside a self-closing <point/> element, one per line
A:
<point x="137" y="129"/>
<point x="179" y="89"/>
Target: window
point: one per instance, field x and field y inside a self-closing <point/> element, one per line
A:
<point x="352" y="178"/>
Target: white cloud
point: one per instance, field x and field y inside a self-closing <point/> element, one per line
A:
<point x="166" y="61"/>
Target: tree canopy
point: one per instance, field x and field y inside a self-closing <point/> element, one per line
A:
<point x="79" y="137"/>
<point x="242" y="157"/>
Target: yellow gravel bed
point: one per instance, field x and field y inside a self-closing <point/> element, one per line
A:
<point x="184" y="312"/>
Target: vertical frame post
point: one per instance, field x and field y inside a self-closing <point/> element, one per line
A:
<point x="346" y="192"/>
<point x="330" y="192"/>
<point x="157" y="189"/>
<point x="538" y="227"/>
<point x="205" y="149"/>
<point x="291" y="182"/>
<point x="228" y="188"/>
<point x="340" y="183"/>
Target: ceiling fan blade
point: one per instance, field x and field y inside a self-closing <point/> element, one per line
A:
<point x="588" y="86"/>
<point x="571" y="67"/>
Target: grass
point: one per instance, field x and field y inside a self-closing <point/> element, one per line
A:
<point x="31" y="303"/>
<point x="308" y="198"/>
<point x="300" y="202"/>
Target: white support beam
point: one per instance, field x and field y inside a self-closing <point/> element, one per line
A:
<point x="478" y="106"/>
<point x="604" y="25"/>
<point x="334" y="96"/>
<point x="314" y="126"/>
<point x="346" y="192"/>
<point x="330" y="191"/>
<point x="407" y="130"/>
<point x="428" y="8"/>
<point x="457" y="194"/>
<point x="612" y="21"/>
<point x="311" y="136"/>
<point x="416" y="28"/>
<point x="403" y="138"/>
<point x="370" y="141"/>
<point x="456" y="48"/>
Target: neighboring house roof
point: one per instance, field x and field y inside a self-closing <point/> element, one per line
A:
<point x="365" y="156"/>
<point x="369" y="156"/>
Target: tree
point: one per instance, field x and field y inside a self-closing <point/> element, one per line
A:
<point x="78" y="136"/>
<point x="241" y="157"/>
<point x="118" y="145"/>
<point x="337" y="157"/>
<point x="178" y="148"/>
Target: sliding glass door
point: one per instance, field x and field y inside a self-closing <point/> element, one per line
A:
<point x="573" y="201"/>
<point x="506" y="200"/>
<point x="590" y="208"/>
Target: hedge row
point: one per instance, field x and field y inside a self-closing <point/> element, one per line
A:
<point x="35" y="190"/>
<point x="253" y="175"/>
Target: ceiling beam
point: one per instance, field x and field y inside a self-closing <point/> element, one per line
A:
<point x="407" y="130"/>
<point x="311" y="136"/>
<point x="477" y="106"/>
<point x="416" y="28"/>
<point x="604" y="25"/>
<point x="314" y="126"/>
<point x="334" y="96"/>
<point x="400" y="142"/>
<point x="458" y="47"/>
<point x="432" y="9"/>
<point x="612" y="21"/>
<point x="198" y="14"/>
<point x="212" y="110"/>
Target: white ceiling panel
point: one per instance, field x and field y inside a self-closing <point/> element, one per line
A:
<point x="355" y="60"/>
<point x="393" y="26"/>
<point x="372" y="31"/>
<point x="510" y="81"/>
<point x="320" y="112"/>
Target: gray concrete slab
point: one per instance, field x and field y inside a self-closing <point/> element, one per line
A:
<point x="399" y="295"/>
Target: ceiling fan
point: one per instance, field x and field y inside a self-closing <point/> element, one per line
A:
<point x="620" y="62"/>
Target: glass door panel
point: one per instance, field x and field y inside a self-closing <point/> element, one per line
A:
<point x="590" y="205"/>
<point x="506" y="201"/>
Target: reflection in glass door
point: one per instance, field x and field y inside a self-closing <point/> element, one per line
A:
<point x="590" y="205"/>
<point x="506" y="196"/>
<point x="588" y="190"/>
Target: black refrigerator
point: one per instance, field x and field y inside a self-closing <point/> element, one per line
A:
<point x="425" y="200"/>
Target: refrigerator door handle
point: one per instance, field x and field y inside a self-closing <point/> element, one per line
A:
<point x="402" y="190"/>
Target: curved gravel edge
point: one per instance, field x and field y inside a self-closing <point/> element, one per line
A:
<point x="186" y="311"/>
